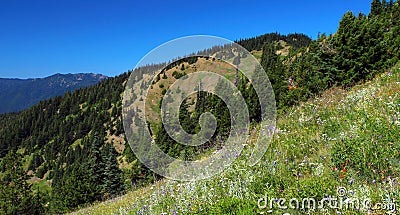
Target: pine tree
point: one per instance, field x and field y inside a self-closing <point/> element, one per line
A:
<point x="112" y="180"/>
<point x="376" y="7"/>
<point x="391" y="3"/>
<point x="95" y="165"/>
<point x="385" y="5"/>
<point x="77" y="188"/>
<point x="184" y="117"/>
<point x="16" y="196"/>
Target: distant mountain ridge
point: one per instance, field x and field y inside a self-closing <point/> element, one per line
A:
<point x="19" y="94"/>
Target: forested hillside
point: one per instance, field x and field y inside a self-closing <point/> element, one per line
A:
<point x="325" y="149"/>
<point x="53" y="140"/>
<point x="70" y="151"/>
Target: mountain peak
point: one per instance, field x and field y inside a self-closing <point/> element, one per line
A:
<point x="19" y="94"/>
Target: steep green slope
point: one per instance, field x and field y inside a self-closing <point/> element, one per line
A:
<point x="346" y="140"/>
<point x="324" y="147"/>
<point x="64" y="148"/>
<point x="72" y="148"/>
<point x="54" y="140"/>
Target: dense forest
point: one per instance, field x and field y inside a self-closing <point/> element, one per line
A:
<point x="257" y="43"/>
<point x="70" y="150"/>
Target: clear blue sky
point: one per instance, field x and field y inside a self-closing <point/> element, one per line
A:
<point x="39" y="38"/>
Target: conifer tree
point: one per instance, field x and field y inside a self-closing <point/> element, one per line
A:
<point x="112" y="180"/>
<point x="376" y="7"/>
<point x="16" y="196"/>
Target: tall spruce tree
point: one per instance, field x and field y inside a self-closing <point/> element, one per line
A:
<point x="376" y="7"/>
<point x="112" y="178"/>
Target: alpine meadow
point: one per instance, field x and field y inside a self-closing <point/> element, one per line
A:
<point x="337" y="133"/>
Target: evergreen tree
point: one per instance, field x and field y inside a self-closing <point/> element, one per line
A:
<point x="376" y="7"/>
<point x="184" y="117"/>
<point x="112" y="179"/>
<point x="16" y="196"/>
<point x="385" y="6"/>
<point x="95" y="165"/>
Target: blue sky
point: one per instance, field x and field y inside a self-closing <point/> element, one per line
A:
<point x="44" y="37"/>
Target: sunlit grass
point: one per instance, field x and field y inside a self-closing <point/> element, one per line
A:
<point x="339" y="139"/>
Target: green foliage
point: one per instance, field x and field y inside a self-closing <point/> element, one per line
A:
<point x="304" y="160"/>
<point x="47" y="133"/>
<point x="86" y="171"/>
<point x="36" y="161"/>
<point x="16" y="194"/>
<point x="91" y="173"/>
<point x="257" y="43"/>
<point x="376" y="7"/>
<point x="362" y="46"/>
<point x="231" y="206"/>
<point x="112" y="176"/>
<point x="178" y="75"/>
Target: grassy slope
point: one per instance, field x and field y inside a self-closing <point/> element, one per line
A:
<point x="299" y="162"/>
<point x="155" y="93"/>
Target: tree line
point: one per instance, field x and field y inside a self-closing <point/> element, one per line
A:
<point x="64" y="140"/>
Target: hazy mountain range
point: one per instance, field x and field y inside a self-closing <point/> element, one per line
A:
<point x="19" y="94"/>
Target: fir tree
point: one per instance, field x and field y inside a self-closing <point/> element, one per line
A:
<point x="376" y="7"/>
<point x="16" y="196"/>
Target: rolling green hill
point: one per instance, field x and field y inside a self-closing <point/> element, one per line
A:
<point x="341" y="139"/>
<point x="338" y="106"/>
